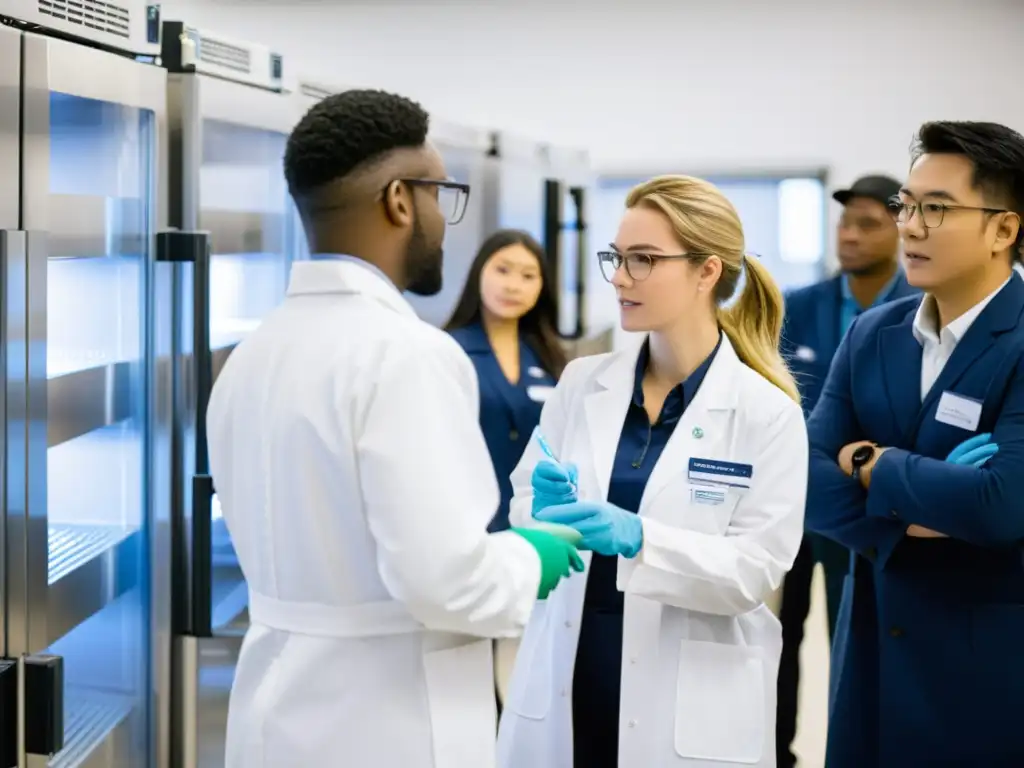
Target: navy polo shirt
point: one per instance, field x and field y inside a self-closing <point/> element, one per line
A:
<point x="596" y="680"/>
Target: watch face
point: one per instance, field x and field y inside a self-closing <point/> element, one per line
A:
<point x="862" y="455"/>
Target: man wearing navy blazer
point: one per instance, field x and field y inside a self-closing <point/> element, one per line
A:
<point x="817" y="317"/>
<point x="927" y="663"/>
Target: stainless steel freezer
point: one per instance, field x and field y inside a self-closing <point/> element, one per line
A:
<point x="81" y="140"/>
<point x="229" y="120"/>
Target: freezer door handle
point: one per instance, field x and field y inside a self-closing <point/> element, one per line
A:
<point x="43" y="715"/>
<point x="8" y="713"/>
<point x="202" y="556"/>
<point x="578" y="195"/>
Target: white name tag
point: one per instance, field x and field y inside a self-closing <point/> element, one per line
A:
<point x="806" y="354"/>
<point x="539" y="393"/>
<point x="958" y="411"/>
<point x="705" y="495"/>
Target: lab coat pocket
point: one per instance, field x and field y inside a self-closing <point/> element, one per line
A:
<point x="701" y="507"/>
<point x="529" y="693"/>
<point x="460" y="692"/>
<point x="720" y="703"/>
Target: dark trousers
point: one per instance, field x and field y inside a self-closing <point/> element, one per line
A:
<point x="796" y="604"/>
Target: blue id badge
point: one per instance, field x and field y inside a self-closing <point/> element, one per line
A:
<point x="720" y="472"/>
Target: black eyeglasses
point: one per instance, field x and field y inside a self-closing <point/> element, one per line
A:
<point x="933" y="213"/>
<point x="638" y="265"/>
<point x="452" y="196"/>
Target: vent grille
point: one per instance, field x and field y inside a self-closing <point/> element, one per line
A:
<point x="315" y="91"/>
<point x="110" y="18"/>
<point x="221" y="54"/>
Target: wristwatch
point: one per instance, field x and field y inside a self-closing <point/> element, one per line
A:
<point x="860" y="457"/>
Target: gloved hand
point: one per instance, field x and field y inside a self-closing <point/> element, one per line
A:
<point x="974" y="451"/>
<point x="606" y="529"/>
<point x="557" y="558"/>
<point x="552" y="485"/>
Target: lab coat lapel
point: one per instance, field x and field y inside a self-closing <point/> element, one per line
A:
<point x="702" y="430"/>
<point x="1001" y="315"/>
<point x="900" y="353"/>
<point x="605" y="409"/>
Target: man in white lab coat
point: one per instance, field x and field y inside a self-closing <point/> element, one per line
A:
<point x="354" y="479"/>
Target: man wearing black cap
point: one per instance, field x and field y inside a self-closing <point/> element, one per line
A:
<point x="816" y="319"/>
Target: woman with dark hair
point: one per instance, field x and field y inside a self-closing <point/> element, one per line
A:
<point x="506" y="322"/>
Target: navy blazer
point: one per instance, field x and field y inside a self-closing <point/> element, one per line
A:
<point x="811" y="334"/>
<point x="927" y="666"/>
<point x="509" y="411"/>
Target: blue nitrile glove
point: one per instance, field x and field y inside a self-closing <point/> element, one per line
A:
<point x="974" y="451"/>
<point x="552" y="485"/>
<point x="606" y="529"/>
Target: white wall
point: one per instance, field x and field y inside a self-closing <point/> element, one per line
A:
<point x="652" y="86"/>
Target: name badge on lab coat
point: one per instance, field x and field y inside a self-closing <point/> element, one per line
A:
<point x="958" y="411"/>
<point x="537" y="372"/>
<point x="720" y="472"/>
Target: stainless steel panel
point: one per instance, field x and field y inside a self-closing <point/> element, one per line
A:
<point x="244" y="231"/>
<point x="95" y="74"/>
<point x="87" y="226"/>
<point x="10" y="117"/>
<point x="216" y="658"/>
<point x="244" y="105"/>
<point x="83" y="401"/>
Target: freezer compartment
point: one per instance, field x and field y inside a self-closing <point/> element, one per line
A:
<point x="105" y="690"/>
<point x="96" y="524"/>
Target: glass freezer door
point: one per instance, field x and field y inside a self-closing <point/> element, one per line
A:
<point x="246" y="209"/>
<point x="91" y="125"/>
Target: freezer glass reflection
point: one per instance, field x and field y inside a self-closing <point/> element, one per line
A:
<point x="254" y="228"/>
<point x="99" y="240"/>
<point x="246" y="209"/>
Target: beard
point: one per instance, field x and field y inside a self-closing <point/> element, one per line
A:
<point x="424" y="264"/>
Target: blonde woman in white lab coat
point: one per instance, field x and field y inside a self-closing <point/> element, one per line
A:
<point x="689" y="462"/>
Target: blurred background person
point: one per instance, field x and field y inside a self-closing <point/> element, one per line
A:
<point x="817" y="317"/>
<point x="506" y="321"/>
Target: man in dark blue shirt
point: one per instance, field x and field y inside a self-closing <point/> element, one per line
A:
<point x="816" y="320"/>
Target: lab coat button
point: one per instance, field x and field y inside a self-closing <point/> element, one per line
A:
<point x="568" y="624"/>
<point x="632" y="659"/>
<point x="895" y="632"/>
<point x="564" y="693"/>
<point x="513" y="435"/>
<point x="632" y="723"/>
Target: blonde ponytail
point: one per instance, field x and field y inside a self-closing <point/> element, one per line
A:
<point x="754" y="326"/>
<point x="707" y="223"/>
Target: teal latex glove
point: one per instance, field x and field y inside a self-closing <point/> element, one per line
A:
<point x="557" y="558"/>
<point x="552" y="485"/>
<point x="974" y="451"/>
<point x="606" y="529"/>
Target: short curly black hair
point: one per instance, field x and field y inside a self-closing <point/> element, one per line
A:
<point x="347" y="131"/>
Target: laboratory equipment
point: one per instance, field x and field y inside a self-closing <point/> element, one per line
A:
<point x="82" y="128"/>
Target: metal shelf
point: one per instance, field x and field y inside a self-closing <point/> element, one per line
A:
<point x="91" y="718"/>
<point x="84" y="401"/>
<point x="90" y="566"/>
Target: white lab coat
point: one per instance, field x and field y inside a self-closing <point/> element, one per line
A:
<point x="357" y="488"/>
<point x="700" y="648"/>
